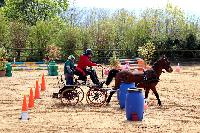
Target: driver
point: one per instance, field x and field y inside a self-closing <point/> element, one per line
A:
<point x="83" y="63"/>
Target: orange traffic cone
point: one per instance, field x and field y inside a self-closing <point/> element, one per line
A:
<point x="37" y="91"/>
<point x="24" y="105"/>
<point x="31" y="99"/>
<point x="24" y="114"/>
<point x="43" y="87"/>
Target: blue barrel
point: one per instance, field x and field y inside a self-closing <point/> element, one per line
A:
<point x="118" y="95"/>
<point x="122" y="93"/>
<point x="134" y="105"/>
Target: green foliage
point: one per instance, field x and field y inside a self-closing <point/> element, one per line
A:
<point x="18" y="33"/>
<point x="37" y="25"/>
<point x="147" y="51"/>
<point x="114" y="61"/>
<point x="39" y="37"/>
<point x="53" y="52"/>
<point x="3" y="53"/>
<point x="3" y="56"/>
<point x="3" y="65"/>
<point x="69" y="40"/>
<point x="4" y="31"/>
<point x="18" y="38"/>
<point x="86" y="38"/>
<point x="31" y="11"/>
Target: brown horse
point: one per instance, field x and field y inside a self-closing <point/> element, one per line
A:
<point x="147" y="79"/>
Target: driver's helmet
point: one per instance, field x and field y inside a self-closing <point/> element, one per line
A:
<point x="88" y="52"/>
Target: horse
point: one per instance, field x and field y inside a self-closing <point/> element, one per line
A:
<point x="147" y="79"/>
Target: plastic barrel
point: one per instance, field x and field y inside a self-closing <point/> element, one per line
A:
<point x="50" y="69"/>
<point x="117" y="94"/>
<point x="8" y="70"/>
<point x="122" y="93"/>
<point x="134" y="105"/>
<point x="53" y="70"/>
<point x="52" y="63"/>
<point x="8" y="67"/>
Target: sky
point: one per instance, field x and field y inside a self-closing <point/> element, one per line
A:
<point x="189" y="6"/>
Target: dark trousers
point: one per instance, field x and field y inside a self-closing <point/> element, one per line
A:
<point x="93" y="76"/>
<point x="92" y="73"/>
<point x="69" y="79"/>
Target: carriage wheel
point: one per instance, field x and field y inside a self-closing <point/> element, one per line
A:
<point x="69" y="97"/>
<point x="96" y="97"/>
<point x="80" y="93"/>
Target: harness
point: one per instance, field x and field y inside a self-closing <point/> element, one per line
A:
<point x="150" y="76"/>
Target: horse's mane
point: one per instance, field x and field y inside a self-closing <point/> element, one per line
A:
<point x="155" y="64"/>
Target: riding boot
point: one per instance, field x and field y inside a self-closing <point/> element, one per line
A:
<point x="101" y="84"/>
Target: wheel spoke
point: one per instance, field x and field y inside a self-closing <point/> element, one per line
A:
<point x="69" y="97"/>
<point x="96" y="97"/>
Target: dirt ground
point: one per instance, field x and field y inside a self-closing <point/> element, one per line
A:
<point x="180" y="113"/>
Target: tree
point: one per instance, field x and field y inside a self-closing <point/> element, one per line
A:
<point x="4" y="31"/>
<point x="69" y="40"/>
<point x="39" y="38"/>
<point x="147" y="51"/>
<point x="31" y="11"/>
<point x="19" y="34"/>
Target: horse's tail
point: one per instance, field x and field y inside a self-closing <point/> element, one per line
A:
<point x="112" y="73"/>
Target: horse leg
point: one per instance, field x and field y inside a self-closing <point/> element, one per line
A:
<point x="156" y="94"/>
<point x="109" y="97"/>
<point x="146" y="93"/>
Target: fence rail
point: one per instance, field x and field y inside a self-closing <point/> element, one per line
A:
<point x="103" y="55"/>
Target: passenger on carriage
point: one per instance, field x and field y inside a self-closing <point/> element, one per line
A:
<point x="69" y="70"/>
<point x="83" y="63"/>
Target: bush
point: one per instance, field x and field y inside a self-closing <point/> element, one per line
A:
<point x="53" y="53"/>
<point x="147" y="51"/>
<point x="3" y="61"/>
<point x="114" y="61"/>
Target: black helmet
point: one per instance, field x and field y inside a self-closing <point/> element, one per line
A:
<point x="88" y="52"/>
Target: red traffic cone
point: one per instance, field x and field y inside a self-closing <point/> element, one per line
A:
<point x="37" y="91"/>
<point x="43" y="87"/>
<point x="24" y="114"/>
<point x="31" y="99"/>
<point x="24" y="105"/>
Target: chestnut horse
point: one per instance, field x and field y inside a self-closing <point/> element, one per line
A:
<point x="147" y="79"/>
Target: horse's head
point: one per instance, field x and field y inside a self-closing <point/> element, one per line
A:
<point x="112" y="73"/>
<point x="165" y="64"/>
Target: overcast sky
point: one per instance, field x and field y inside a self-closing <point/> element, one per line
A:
<point x="189" y="6"/>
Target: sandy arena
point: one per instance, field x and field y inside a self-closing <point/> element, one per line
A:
<point x="180" y="113"/>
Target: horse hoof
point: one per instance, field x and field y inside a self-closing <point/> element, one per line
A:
<point x="107" y="104"/>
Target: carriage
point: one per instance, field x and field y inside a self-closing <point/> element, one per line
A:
<point x="73" y="94"/>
